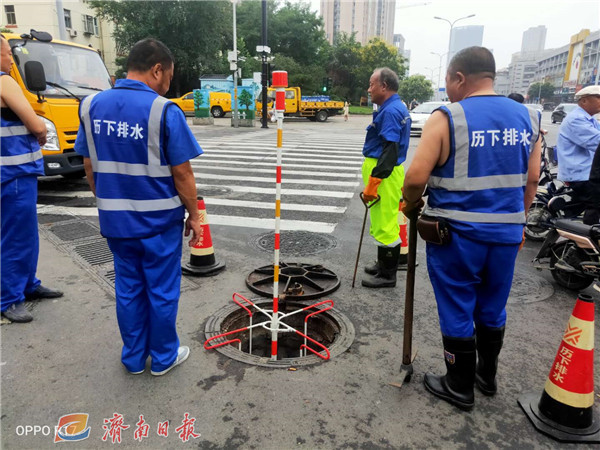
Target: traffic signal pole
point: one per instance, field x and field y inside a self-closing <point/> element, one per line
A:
<point x="265" y="74"/>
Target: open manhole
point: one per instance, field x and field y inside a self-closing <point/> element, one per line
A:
<point x="295" y="243"/>
<point x="296" y="281"/>
<point x="214" y="191"/>
<point x="329" y="328"/>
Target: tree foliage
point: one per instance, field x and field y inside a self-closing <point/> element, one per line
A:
<point x="417" y="87"/>
<point x="541" y="90"/>
<point x="196" y="33"/>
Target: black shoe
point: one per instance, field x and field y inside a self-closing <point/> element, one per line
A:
<point x="387" y="262"/>
<point x="372" y="269"/>
<point x="42" y="292"/>
<point x="403" y="262"/>
<point x="17" y="313"/>
<point x="456" y="387"/>
<point x="489" y="344"/>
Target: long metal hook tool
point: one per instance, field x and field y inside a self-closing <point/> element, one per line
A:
<point x="362" y="233"/>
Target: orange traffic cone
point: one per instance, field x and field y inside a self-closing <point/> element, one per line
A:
<point x="565" y="410"/>
<point x="202" y="256"/>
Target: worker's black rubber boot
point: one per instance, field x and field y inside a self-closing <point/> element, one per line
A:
<point x="387" y="260"/>
<point x="456" y="387"/>
<point x="489" y="344"/>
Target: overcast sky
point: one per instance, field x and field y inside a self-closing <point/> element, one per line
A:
<point x="504" y="23"/>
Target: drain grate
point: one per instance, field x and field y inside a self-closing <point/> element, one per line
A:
<point x="95" y="253"/>
<point x="214" y="191"/>
<point x="295" y="243"/>
<point x="74" y="231"/>
<point x="110" y="276"/>
<point x="529" y="288"/>
<point x="51" y="218"/>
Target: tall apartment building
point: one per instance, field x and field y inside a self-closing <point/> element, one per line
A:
<point x="502" y="82"/>
<point x="366" y="18"/>
<point x="534" y="39"/>
<point x="463" y="37"/>
<point x="67" y="20"/>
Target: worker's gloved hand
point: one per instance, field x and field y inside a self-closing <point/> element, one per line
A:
<point x="412" y="209"/>
<point x="370" y="192"/>
<point x="522" y="241"/>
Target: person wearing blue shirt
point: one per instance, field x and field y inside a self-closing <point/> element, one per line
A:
<point x="480" y="159"/>
<point x="578" y="141"/>
<point x="136" y="147"/>
<point x="21" y="162"/>
<point x="385" y="148"/>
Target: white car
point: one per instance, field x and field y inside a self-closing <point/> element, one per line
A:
<point x="420" y="114"/>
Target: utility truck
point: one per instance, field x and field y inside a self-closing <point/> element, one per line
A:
<point x="55" y="76"/>
<point x="313" y="108"/>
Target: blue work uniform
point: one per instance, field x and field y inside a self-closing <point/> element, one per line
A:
<point x="391" y="123"/>
<point x="21" y="162"/>
<point x="480" y="192"/>
<point x="133" y="137"/>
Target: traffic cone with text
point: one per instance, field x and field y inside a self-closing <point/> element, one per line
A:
<point x="202" y="256"/>
<point x="565" y="409"/>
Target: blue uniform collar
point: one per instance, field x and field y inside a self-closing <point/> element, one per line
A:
<point x="392" y="99"/>
<point x="133" y="84"/>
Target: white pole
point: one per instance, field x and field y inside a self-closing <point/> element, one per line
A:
<point x="235" y="72"/>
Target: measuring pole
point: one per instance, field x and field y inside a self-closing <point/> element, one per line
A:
<point x="280" y="83"/>
<point x="236" y="117"/>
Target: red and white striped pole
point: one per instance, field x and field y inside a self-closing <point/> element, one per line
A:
<point x="280" y="82"/>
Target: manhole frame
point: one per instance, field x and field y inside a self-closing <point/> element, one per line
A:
<point x="339" y="346"/>
<point x="331" y="243"/>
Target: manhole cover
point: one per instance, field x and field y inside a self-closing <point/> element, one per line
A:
<point x="329" y="328"/>
<point x="95" y="253"/>
<point x="296" y="280"/>
<point x="51" y="218"/>
<point x="529" y="288"/>
<point x="74" y="231"/>
<point x="296" y="243"/>
<point x="214" y="191"/>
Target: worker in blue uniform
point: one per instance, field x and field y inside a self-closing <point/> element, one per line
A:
<point x="480" y="159"/>
<point x="21" y="162"/>
<point x="385" y="148"/>
<point x="136" y="147"/>
<point x="578" y="139"/>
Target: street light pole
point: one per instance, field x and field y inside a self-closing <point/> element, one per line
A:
<point x="441" y="55"/>
<point x="451" y="27"/>
<point x="431" y="77"/>
<point x="236" y="117"/>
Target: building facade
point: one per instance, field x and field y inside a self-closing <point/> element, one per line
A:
<point x="534" y="39"/>
<point x="67" y="20"/>
<point x="463" y="37"/>
<point x="366" y="18"/>
<point x="502" y="82"/>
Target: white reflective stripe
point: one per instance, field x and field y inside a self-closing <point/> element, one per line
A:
<point x="16" y="130"/>
<point x="535" y="126"/>
<point x="124" y="204"/>
<point x="154" y="122"/>
<point x="479" y="183"/>
<point x="477" y="217"/>
<point x="20" y="159"/>
<point x="153" y="168"/>
<point x="84" y="111"/>
<point x="122" y="168"/>
<point x="461" y="141"/>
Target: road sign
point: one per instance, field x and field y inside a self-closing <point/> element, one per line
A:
<point x="263" y="49"/>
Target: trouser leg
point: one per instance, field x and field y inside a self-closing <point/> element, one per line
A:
<point x="132" y="302"/>
<point x="162" y="269"/>
<point x="19" y="239"/>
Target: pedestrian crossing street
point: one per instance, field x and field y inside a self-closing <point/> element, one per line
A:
<point x="236" y="177"/>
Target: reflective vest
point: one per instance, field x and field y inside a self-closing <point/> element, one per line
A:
<point x="483" y="181"/>
<point x="135" y="190"/>
<point x="20" y="152"/>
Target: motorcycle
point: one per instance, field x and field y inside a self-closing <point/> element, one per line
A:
<point x="572" y="252"/>
<point x="553" y="200"/>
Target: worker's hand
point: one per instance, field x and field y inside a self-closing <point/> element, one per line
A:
<point x="412" y="209"/>
<point x="370" y="192"/>
<point x="193" y="224"/>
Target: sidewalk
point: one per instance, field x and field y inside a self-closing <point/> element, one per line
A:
<point x="68" y="361"/>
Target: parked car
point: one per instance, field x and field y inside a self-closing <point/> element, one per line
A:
<point x="420" y="114"/>
<point x="549" y="106"/>
<point x="186" y="103"/>
<point x="561" y="111"/>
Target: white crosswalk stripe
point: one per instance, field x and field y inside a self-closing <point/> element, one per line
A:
<point x="236" y="177"/>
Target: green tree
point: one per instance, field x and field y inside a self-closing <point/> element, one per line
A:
<point x="415" y="86"/>
<point x="342" y="68"/>
<point x="541" y="90"/>
<point x="374" y="55"/>
<point x="245" y="99"/>
<point x="196" y="33"/>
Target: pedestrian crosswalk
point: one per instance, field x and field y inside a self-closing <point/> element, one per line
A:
<point x="236" y="177"/>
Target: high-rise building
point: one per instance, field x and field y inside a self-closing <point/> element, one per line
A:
<point x="366" y="18"/>
<point x="463" y="37"/>
<point x="534" y="39"/>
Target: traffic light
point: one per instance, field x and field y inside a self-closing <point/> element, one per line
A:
<point x="329" y="83"/>
<point x="324" y="84"/>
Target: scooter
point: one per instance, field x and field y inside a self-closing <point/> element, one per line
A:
<point x="572" y="252"/>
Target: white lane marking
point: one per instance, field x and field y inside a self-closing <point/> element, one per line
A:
<point x="271" y="171"/>
<point x="286" y="159"/>
<point x="284" y="191"/>
<point x="199" y="162"/>
<point x="269" y="205"/>
<point x="342" y="155"/>
<point x="201" y="176"/>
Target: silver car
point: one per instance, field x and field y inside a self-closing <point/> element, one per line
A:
<point x="420" y="114"/>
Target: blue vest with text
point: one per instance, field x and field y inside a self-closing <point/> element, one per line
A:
<point x="20" y="152"/>
<point x="135" y="191"/>
<point x="480" y="189"/>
